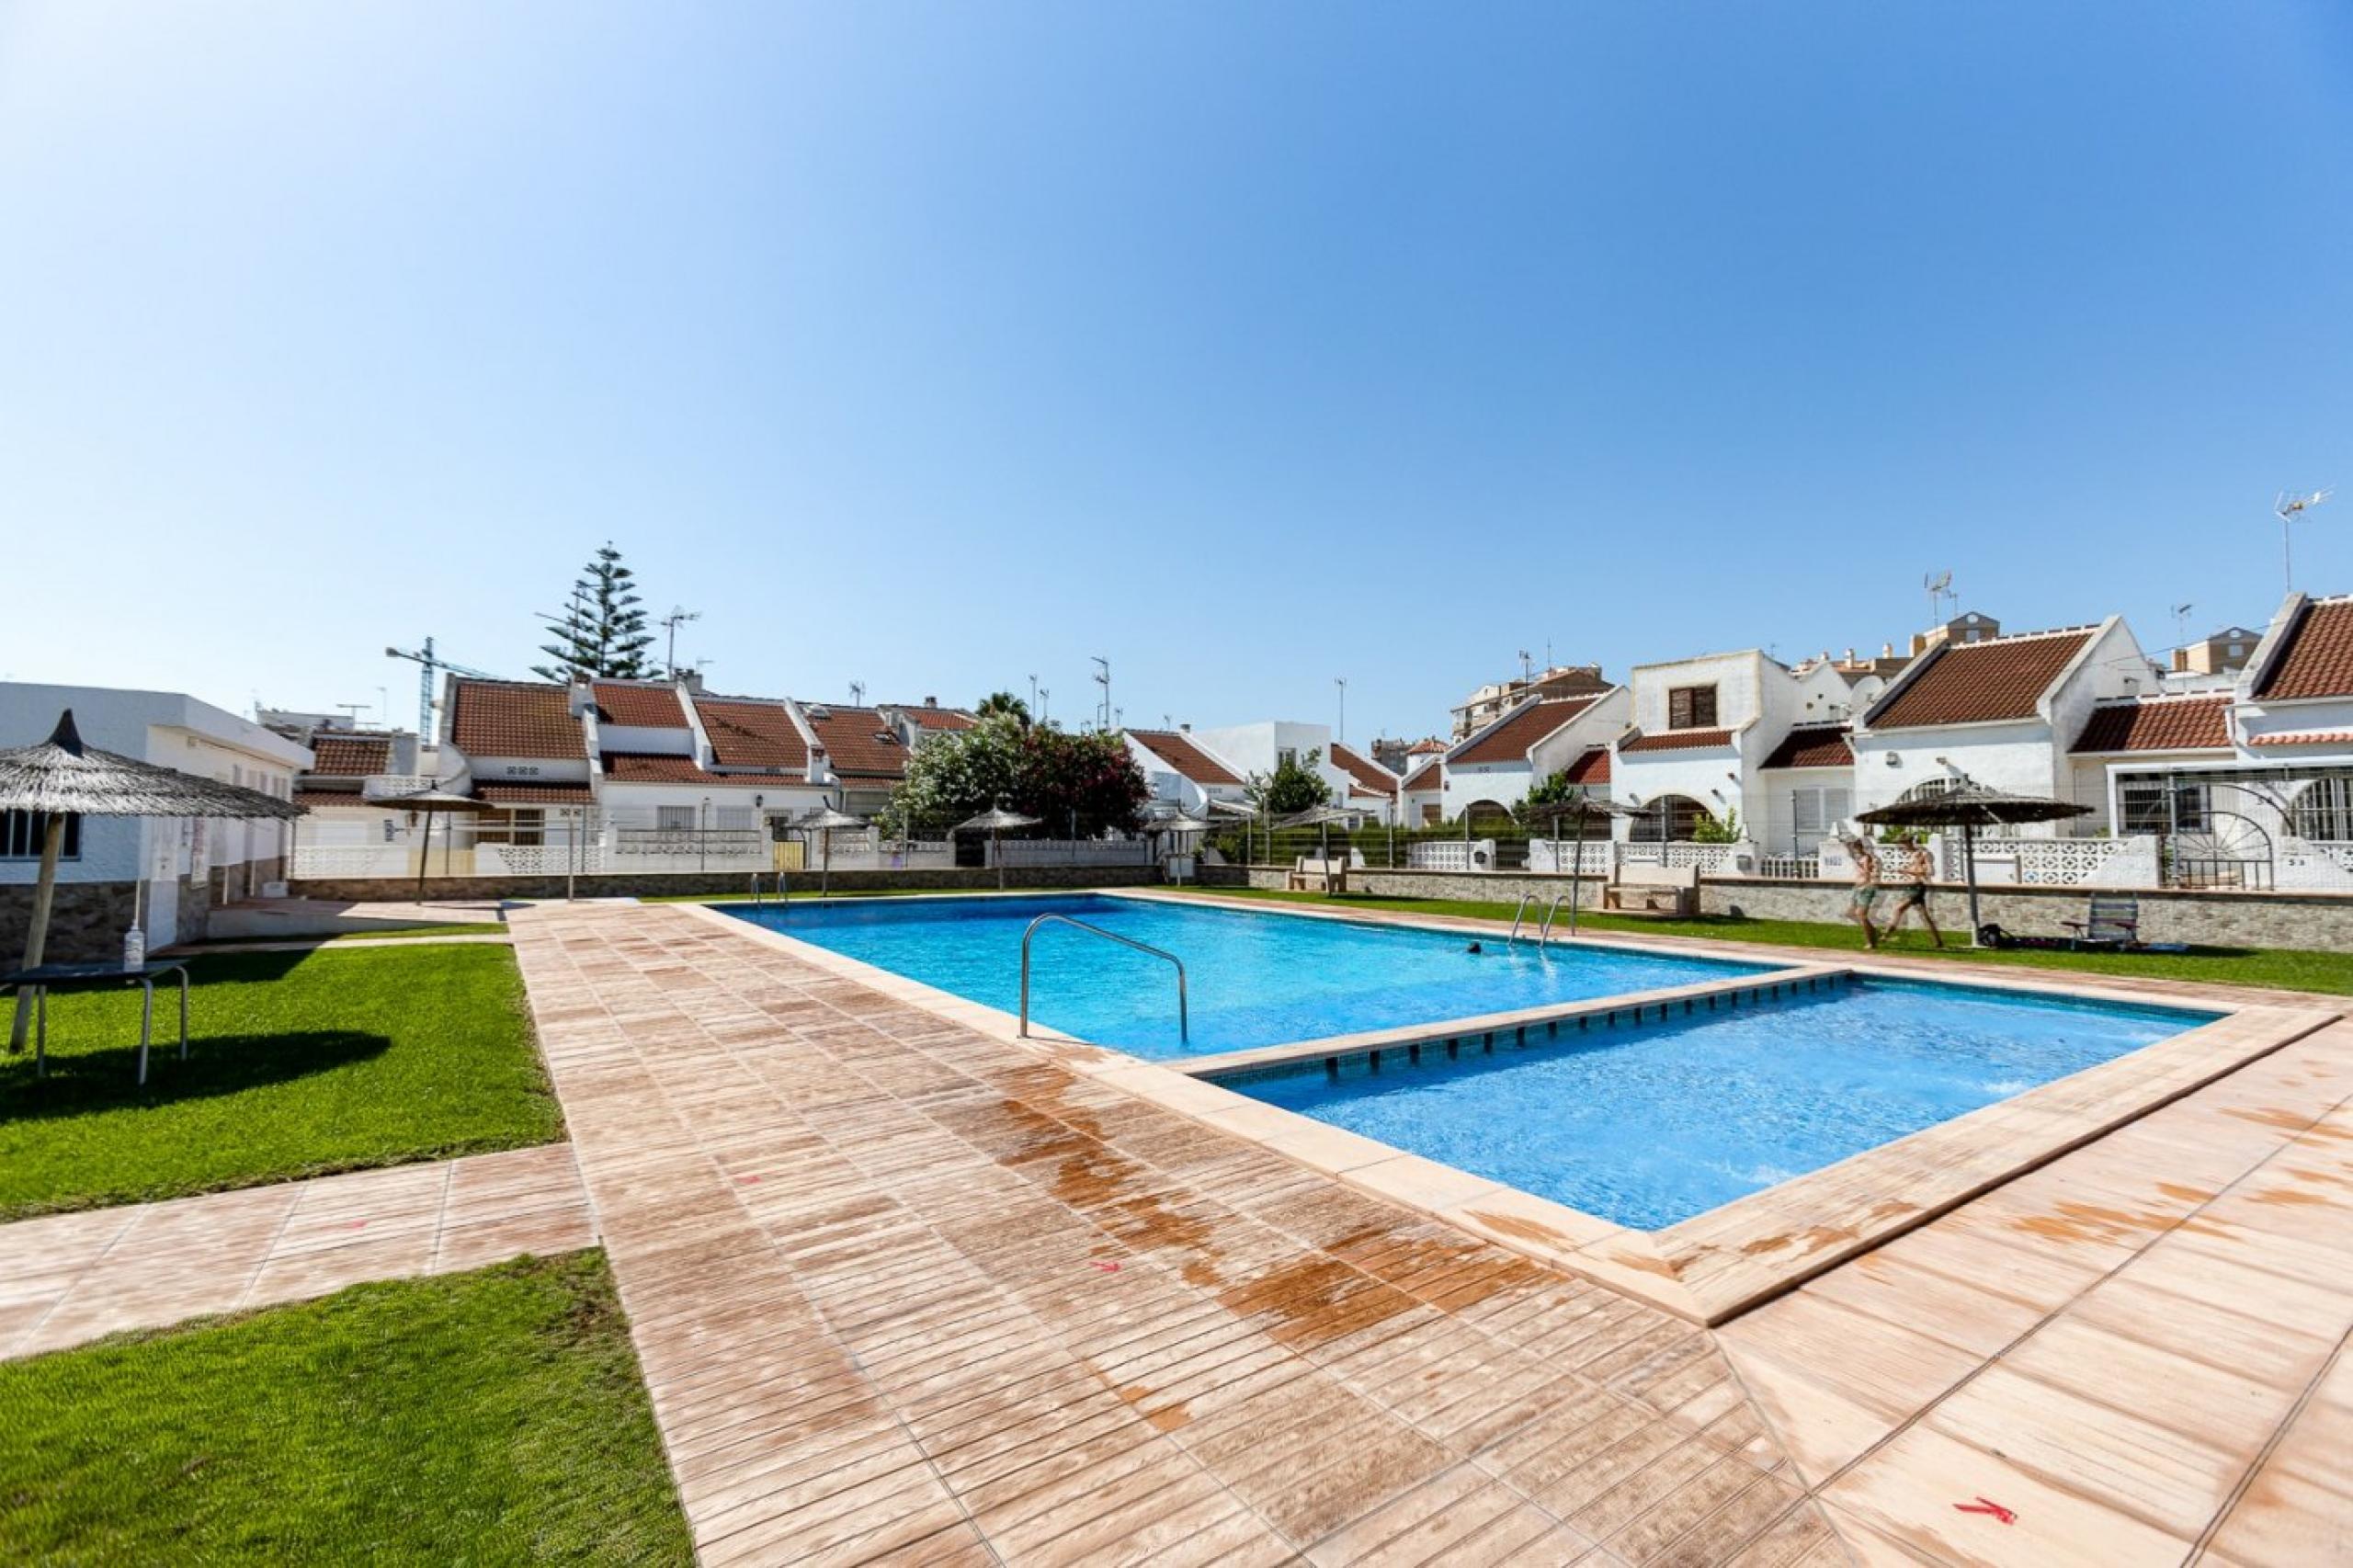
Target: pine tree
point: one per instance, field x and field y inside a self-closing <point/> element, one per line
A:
<point x="602" y="631"/>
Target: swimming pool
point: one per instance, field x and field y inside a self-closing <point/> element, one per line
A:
<point x="1647" y="1125"/>
<point x="1256" y="978"/>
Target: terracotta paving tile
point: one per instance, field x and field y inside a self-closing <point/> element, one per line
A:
<point x="909" y="1292"/>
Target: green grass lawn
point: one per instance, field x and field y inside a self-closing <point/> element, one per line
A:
<point x="300" y="1063"/>
<point x="2287" y="969"/>
<point x="490" y="1417"/>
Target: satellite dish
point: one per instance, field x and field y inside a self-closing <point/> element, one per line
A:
<point x="1937" y="582"/>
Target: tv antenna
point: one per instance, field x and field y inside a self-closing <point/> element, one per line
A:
<point x="1044" y="697"/>
<point x="677" y="617"/>
<point x="1103" y="679"/>
<point x="2287" y="509"/>
<point x="1527" y="665"/>
<point x="2181" y="624"/>
<point x="1342" y="732"/>
<point x="351" y="712"/>
<point x="858" y="694"/>
<point x="1939" y="586"/>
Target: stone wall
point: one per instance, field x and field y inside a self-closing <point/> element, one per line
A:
<point x="87" y="920"/>
<point x="975" y="879"/>
<point x="2320" y="922"/>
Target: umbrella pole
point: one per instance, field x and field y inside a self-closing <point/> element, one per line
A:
<point x="424" y="852"/>
<point x="1969" y="871"/>
<point x="53" y="844"/>
<point x="997" y="853"/>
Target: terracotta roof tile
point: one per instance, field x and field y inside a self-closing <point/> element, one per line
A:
<point x="1428" y="775"/>
<point x="1969" y="682"/>
<point x="1813" y="745"/>
<point x="938" y="719"/>
<point x="1591" y="768"/>
<point x="1676" y="740"/>
<point x="746" y="732"/>
<point x="663" y="767"/>
<point x="857" y="741"/>
<point x="639" y="707"/>
<point x="534" y="794"/>
<point x="2303" y="738"/>
<point x="2317" y="658"/>
<point x="1508" y="741"/>
<point x="2162" y="723"/>
<point x="315" y="798"/>
<point x="511" y="718"/>
<point x="350" y="757"/>
<point x="1178" y="750"/>
<point x="1368" y="775"/>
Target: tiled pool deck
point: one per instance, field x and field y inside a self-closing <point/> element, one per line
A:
<point x="906" y="1290"/>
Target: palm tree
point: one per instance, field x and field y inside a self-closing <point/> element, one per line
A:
<point x="1005" y="703"/>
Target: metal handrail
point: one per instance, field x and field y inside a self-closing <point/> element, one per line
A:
<point x="1544" y="934"/>
<point x="782" y="888"/>
<point x="1184" y="1019"/>
<point x="1516" y="911"/>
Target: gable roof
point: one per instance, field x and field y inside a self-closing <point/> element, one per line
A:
<point x="1509" y="737"/>
<point x="747" y="732"/>
<point x="859" y="741"/>
<point x="1428" y="775"/>
<point x="1675" y="740"/>
<point x="638" y="707"/>
<point x="2316" y="657"/>
<point x="1973" y="683"/>
<point x="2158" y="723"/>
<point x="1591" y="768"/>
<point x="351" y="757"/>
<point x="1812" y="746"/>
<point x="1368" y="774"/>
<point x="514" y="718"/>
<point x="938" y="719"/>
<point x="1178" y="750"/>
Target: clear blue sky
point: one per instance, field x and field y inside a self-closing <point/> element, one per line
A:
<point x="1250" y="345"/>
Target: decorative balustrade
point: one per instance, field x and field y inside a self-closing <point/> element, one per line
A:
<point x="353" y="860"/>
<point x="1593" y="857"/>
<point x="1074" y="851"/>
<point x="1452" y="855"/>
<point x="2129" y="862"/>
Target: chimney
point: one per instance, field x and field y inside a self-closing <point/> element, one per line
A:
<point x="1850" y="655"/>
<point x="817" y="770"/>
<point x="931" y="702"/>
<point x="1186" y="727"/>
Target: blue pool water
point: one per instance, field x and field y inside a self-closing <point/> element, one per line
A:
<point x="1651" y="1124"/>
<point x="1255" y="979"/>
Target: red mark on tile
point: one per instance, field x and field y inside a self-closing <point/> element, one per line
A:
<point x="1106" y="1267"/>
<point x="1987" y="1505"/>
<point x="745" y="1181"/>
<point x="355" y="1224"/>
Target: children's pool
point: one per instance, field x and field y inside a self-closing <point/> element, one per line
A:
<point x="1650" y="1124"/>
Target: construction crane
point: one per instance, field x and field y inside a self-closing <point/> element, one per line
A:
<point x="431" y="661"/>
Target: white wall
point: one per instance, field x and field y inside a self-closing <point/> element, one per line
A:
<point x="170" y="729"/>
<point x="1255" y="748"/>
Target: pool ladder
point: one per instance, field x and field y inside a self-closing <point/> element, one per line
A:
<point x="1184" y="1022"/>
<point x="783" y="893"/>
<point x="1519" y="912"/>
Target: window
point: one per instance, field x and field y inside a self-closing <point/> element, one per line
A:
<point x="674" y="819"/>
<point x="1670" y="818"/>
<point x="1287" y="757"/>
<point x="529" y="827"/>
<point x="2163" y="805"/>
<point x="1813" y="813"/>
<point x="2324" y="810"/>
<point x="1691" y="708"/>
<point x="21" y="833"/>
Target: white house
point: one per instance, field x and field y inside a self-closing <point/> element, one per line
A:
<point x="1371" y="786"/>
<point x="1421" y="794"/>
<point x="175" y="870"/>
<point x="523" y="746"/>
<point x="1265" y="744"/>
<point x="2003" y="710"/>
<point x="1705" y="730"/>
<point x="1182" y="773"/>
<point x="1493" y="769"/>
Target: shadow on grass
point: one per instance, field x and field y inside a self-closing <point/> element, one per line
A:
<point x="87" y="1083"/>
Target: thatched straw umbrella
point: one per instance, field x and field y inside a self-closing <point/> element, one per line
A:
<point x="1970" y="806"/>
<point x="431" y="802"/>
<point x="993" y="821"/>
<point x="824" y="820"/>
<point x="63" y="777"/>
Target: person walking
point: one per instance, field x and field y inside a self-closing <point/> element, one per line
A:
<point x="1912" y="871"/>
<point x="1860" y="902"/>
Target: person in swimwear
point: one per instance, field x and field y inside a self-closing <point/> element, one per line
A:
<point x="1858" y="902"/>
<point x="1912" y="871"/>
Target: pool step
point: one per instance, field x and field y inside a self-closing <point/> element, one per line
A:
<point x="1527" y="1026"/>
